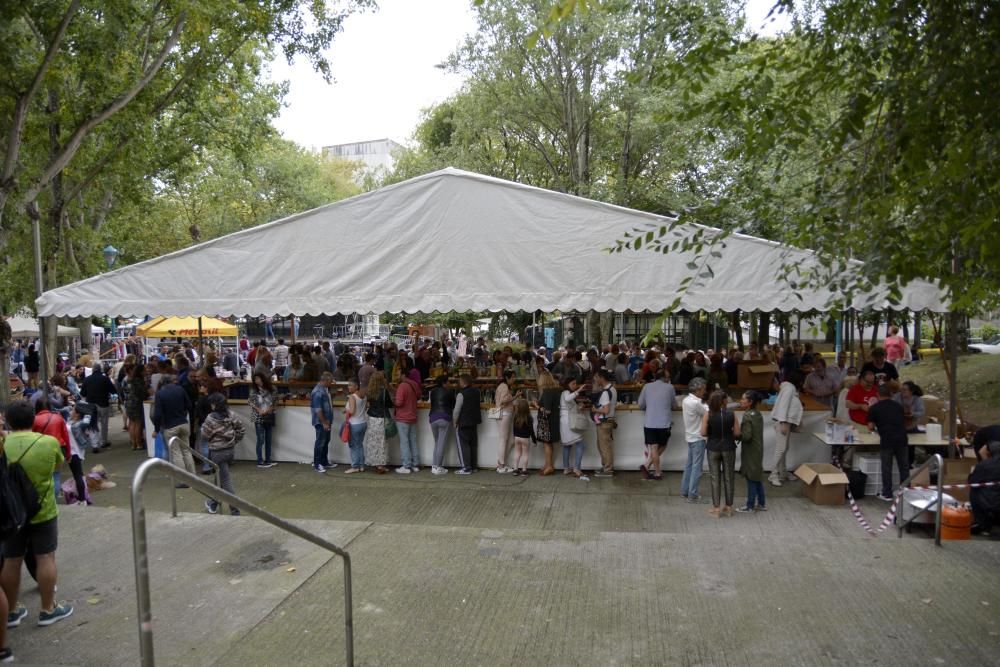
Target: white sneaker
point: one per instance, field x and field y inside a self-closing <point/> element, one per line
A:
<point x="503" y="470"/>
<point x="775" y="481"/>
<point x="319" y="468"/>
<point x="791" y="478"/>
<point x="403" y="471"/>
<point x="437" y="470"/>
<point x="414" y="468"/>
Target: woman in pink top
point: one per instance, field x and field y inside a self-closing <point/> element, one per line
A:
<point x="895" y="346"/>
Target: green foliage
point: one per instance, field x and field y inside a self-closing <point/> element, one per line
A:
<point x="216" y="193"/>
<point x="579" y="109"/>
<point x="100" y="106"/>
<point x="865" y="134"/>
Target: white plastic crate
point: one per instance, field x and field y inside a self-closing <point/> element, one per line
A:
<point x="873" y="484"/>
<point x="868" y="464"/>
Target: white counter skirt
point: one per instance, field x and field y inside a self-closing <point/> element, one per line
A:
<point x="294" y="435"/>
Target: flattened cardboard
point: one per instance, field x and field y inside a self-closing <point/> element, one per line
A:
<point x="823" y="483"/>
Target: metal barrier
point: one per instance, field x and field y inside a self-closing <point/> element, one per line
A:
<point x="198" y="456"/>
<point x="140" y="548"/>
<point x="939" y="502"/>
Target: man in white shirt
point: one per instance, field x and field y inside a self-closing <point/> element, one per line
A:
<point x="280" y="358"/>
<point x="693" y="408"/>
<point x="604" y="416"/>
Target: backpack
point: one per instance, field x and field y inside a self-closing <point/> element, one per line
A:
<point x="19" y="502"/>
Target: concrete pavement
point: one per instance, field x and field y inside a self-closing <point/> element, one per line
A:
<point x="490" y="569"/>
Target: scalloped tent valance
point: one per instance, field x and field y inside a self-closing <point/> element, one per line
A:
<point x="450" y="241"/>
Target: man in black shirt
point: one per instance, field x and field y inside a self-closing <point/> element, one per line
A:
<point x="97" y="389"/>
<point x="883" y="370"/>
<point x="887" y="418"/>
<point x="984" y="436"/>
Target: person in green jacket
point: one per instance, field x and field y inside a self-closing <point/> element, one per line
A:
<point x="752" y="459"/>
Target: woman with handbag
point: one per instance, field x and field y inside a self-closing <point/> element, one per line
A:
<point x="572" y="424"/>
<point x="356" y="422"/>
<point x="262" y="408"/>
<point x="380" y="423"/>
<point x="547" y="430"/>
<point x="503" y="408"/>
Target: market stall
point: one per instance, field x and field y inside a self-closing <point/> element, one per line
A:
<point x="268" y="270"/>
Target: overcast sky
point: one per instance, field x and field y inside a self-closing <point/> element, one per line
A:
<point x="384" y="69"/>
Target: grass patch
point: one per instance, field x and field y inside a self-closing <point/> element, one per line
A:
<point x="978" y="384"/>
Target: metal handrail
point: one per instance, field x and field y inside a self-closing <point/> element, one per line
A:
<point x="198" y="455"/>
<point x="140" y="549"/>
<point x="938" y="502"/>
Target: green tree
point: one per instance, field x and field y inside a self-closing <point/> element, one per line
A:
<point x="870" y="118"/>
<point x="92" y="97"/>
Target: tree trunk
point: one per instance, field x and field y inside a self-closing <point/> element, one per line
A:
<point x="5" y="343"/>
<point x="606" y="329"/>
<point x="51" y="326"/>
<point x="764" y="332"/>
<point x="875" y="333"/>
<point x="86" y="333"/>
<point x="862" y="357"/>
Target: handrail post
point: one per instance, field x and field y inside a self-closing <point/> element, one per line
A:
<point x="141" y="557"/>
<point x="209" y="462"/>
<point x="940" y="500"/>
<point x="173" y="484"/>
<point x="140" y="547"/>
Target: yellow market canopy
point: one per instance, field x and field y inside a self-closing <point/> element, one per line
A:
<point x="185" y="327"/>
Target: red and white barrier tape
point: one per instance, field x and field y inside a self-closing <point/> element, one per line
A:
<point x="890" y="516"/>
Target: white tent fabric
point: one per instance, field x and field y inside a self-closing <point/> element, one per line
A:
<point x="450" y="240"/>
<point x="27" y="327"/>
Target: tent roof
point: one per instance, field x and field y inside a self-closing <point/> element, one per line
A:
<point x="172" y="327"/>
<point x="450" y="240"/>
<point x="27" y="327"/>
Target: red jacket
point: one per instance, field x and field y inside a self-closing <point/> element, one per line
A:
<point x="406" y="401"/>
<point x="52" y="423"/>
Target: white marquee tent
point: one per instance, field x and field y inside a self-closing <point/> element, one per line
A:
<point x="450" y="240"/>
<point x="27" y="327"/>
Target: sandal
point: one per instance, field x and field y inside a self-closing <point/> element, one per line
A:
<point x="567" y="472"/>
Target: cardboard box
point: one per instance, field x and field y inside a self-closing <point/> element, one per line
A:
<point x="824" y="484"/>
<point x="956" y="471"/>
<point x="755" y="375"/>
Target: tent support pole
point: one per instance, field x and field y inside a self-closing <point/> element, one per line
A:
<point x="36" y="246"/>
<point x="201" y="343"/>
<point x="292" y="321"/>
<point x="952" y="339"/>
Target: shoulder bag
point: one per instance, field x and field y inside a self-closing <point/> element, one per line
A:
<point x="389" y="424"/>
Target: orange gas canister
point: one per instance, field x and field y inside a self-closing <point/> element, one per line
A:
<point x="956" y="523"/>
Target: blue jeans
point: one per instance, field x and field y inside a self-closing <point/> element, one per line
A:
<point x="357" y="444"/>
<point x="264" y="432"/>
<point x="322" y="447"/>
<point x="755" y="494"/>
<point x="692" y="471"/>
<point x="203" y="449"/>
<point x="408" y="451"/>
<point x="577" y="455"/>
